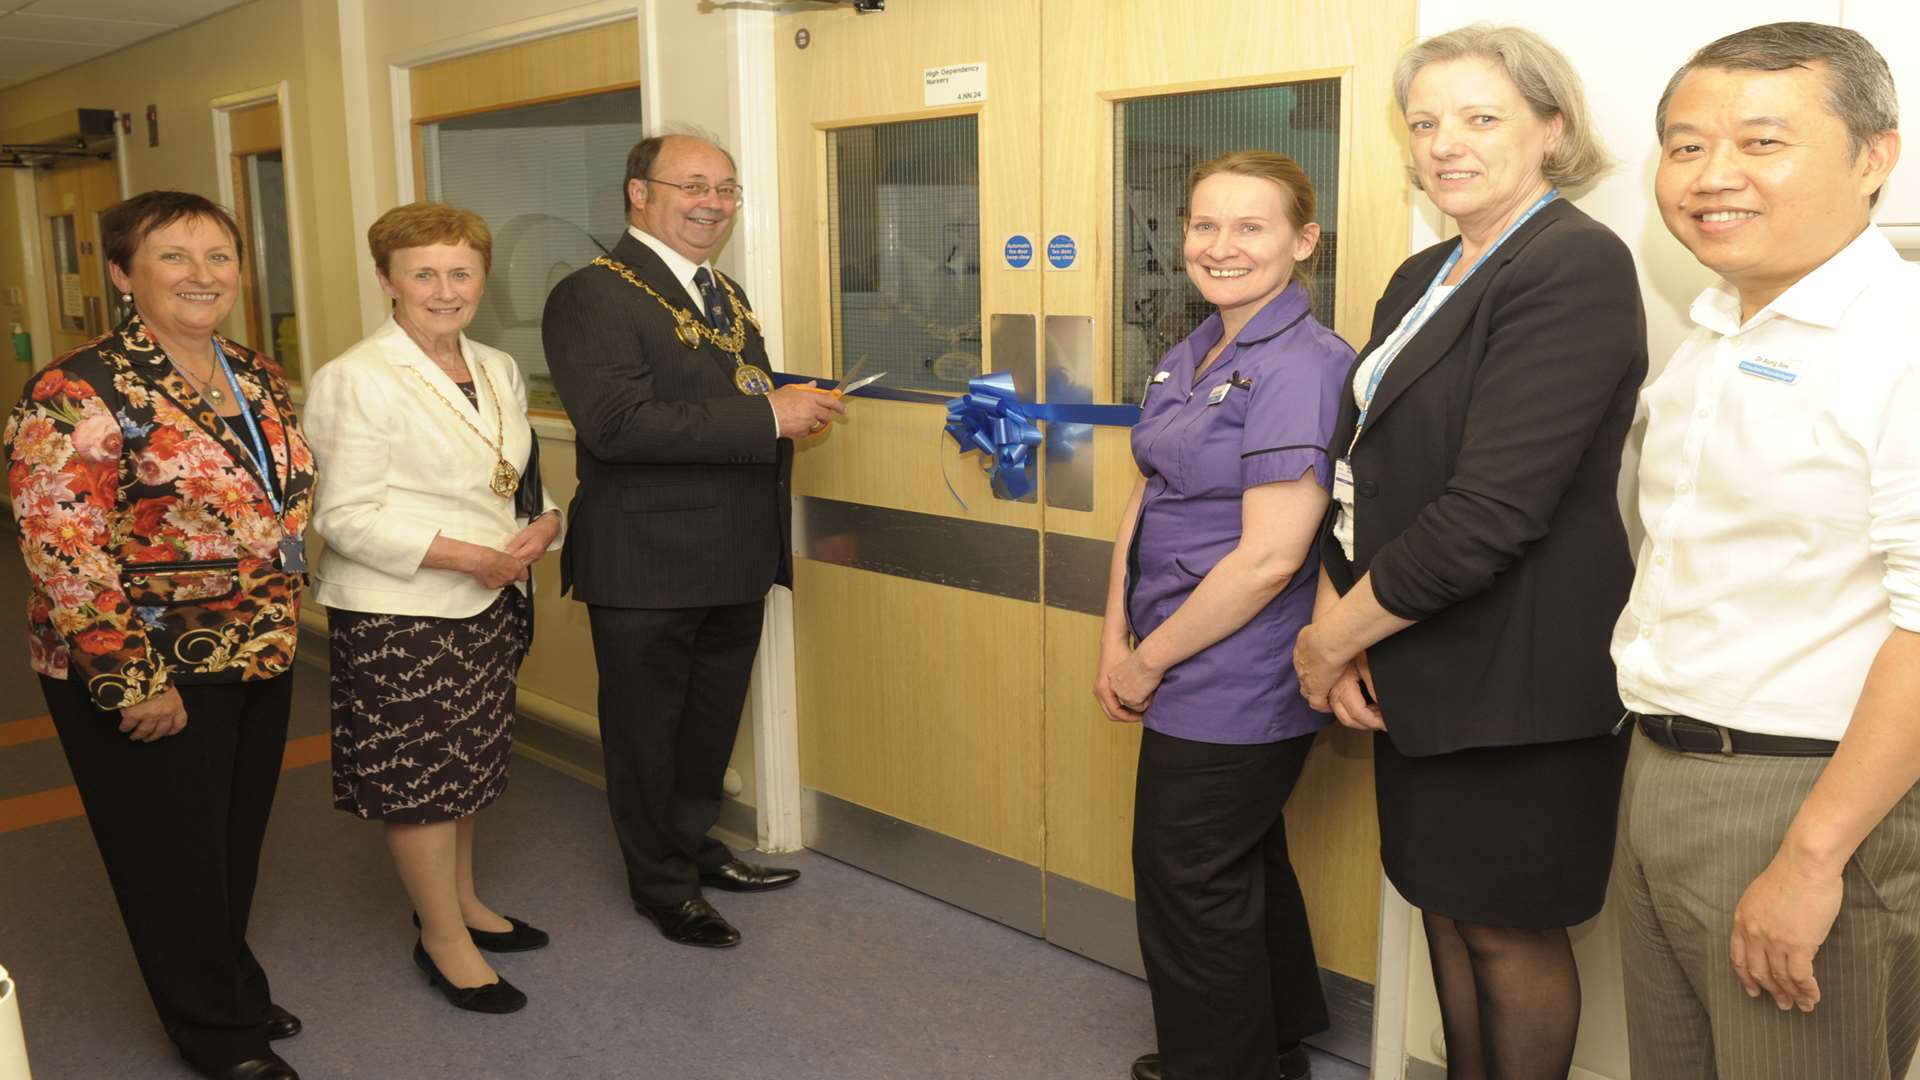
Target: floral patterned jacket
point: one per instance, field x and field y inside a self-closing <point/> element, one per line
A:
<point x="152" y="546"/>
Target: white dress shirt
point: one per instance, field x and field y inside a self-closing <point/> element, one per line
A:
<point x="1416" y="317"/>
<point x="1780" y="489"/>
<point x="683" y="269"/>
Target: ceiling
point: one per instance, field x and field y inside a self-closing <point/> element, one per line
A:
<point x="39" y="37"/>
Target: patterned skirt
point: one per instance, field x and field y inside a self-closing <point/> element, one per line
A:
<point x="423" y="709"/>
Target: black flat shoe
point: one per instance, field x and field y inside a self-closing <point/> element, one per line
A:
<point x="738" y="876"/>
<point x="271" y="1067"/>
<point x="498" y="996"/>
<point x="1146" y="1067"/>
<point x="522" y="938"/>
<point x="693" y="922"/>
<point x="281" y="1024"/>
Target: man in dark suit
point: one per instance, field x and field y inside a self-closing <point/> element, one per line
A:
<point x="681" y="521"/>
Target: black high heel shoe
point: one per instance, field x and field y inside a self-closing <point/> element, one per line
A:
<point x="522" y="938"/>
<point x="498" y="996"/>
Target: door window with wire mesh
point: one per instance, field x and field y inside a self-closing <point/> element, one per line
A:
<point x="1157" y="142"/>
<point x="549" y="181"/>
<point x="904" y="251"/>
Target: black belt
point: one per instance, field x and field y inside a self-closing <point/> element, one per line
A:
<point x="1690" y="736"/>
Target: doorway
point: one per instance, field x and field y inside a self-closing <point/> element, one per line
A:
<point x="978" y="186"/>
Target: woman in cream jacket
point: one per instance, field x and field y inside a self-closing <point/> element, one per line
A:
<point x="432" y="517"/>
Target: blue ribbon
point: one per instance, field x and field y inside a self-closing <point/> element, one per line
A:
<point x="991" y="418"/>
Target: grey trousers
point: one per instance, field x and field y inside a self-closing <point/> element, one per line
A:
<point x="1695" y="830"/>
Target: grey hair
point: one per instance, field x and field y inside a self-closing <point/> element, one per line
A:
<point x="1859" y="85"/>
<point x="1546" y="81"/>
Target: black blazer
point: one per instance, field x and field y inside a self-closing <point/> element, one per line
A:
<point x="1486" y="490"/>
<point x="683" y="497"/>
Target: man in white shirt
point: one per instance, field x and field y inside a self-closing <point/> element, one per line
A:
<point x="1768" y="868"/>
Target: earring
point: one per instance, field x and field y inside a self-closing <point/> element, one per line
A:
<point x="126" y="298"/>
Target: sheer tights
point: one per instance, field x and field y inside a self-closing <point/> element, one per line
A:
<point x="1509" y="999"/>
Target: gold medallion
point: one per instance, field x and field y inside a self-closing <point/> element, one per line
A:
<point x="504" y="480"/>
<point x="751" y="380"/>
<point x="689" y="335"/>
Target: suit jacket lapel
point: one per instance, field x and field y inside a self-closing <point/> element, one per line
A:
<point x="653" y="270"/>
<point x="1445" y="326"/>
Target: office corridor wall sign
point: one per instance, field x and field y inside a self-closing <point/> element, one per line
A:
<point x="956" y="84"/>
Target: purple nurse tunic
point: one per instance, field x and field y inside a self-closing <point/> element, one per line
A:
<point x="1263" y="413"/>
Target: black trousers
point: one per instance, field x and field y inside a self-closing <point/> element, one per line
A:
<point x="1223" y="927"/>
<point x="672" y="684"/>
<point x="179" y="823"/>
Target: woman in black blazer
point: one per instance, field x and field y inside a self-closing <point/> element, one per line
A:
<point x="1475" y="560"/>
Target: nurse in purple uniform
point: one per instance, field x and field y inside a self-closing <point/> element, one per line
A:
<point x="1213" y="576"/>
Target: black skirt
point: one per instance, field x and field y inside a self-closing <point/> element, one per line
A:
<point x="1516" y="836"/>
<point x="423" y="709"/>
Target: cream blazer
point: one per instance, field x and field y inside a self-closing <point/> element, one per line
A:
<point x="398" y="468"/>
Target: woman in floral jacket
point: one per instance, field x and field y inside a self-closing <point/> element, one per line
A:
<point x="161" y="483"/>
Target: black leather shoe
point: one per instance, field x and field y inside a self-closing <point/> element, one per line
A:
<point x="1146" y="1067"/>
<point x="498" y="996"/>
<point x="281" y="1024"/>
<point x="693" y="922"/>
<point x="738" y="876"/>
<point x="271" y="1067"/>
<point x="522" y="938"/>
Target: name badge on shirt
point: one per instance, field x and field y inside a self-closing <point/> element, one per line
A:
<point x="1772" y="370"/>
<point x="293" y="555"/>
<point x="1343" y="482"/>
<point x="1219" y="393"/>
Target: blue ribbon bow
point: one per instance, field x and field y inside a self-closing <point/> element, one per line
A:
<point x="991" y="418"/>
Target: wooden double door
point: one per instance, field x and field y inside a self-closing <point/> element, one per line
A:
<point x="948" y="734"/>
<point x="81" y="302"/>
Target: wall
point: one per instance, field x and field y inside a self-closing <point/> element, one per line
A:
<point x="336" y="57"/>
<point x="1625" y="66"/>
<point x="180" y="73"/>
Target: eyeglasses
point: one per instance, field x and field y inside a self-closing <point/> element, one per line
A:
<point x="697" y="189"/>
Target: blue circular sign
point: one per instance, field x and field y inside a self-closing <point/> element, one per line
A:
<point x="1061" y="251"/>
<point x="1019" y="251"/>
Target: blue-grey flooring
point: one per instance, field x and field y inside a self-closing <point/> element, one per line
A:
<point x="846" y="976"/>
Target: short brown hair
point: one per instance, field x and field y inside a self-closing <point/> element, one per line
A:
<point x="125" y="225"/>
<point x="1547" y="83"/>
<point x="420" y="224"/>
<point x="1282" y="170"/>
<point x="640" y="159"/>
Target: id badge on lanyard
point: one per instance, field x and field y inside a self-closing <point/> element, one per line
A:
<point x="292" y="549"/>
<point x="1343" y="468"/>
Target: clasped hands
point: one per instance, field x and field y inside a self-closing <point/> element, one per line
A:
<point x="1126" y="684"/>
<point x="1332" y="683"/>
<point x="498" y="568"/>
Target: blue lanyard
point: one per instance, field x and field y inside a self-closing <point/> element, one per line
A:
<point x="1390" y="348"/>
<point x="261" y="458"/>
